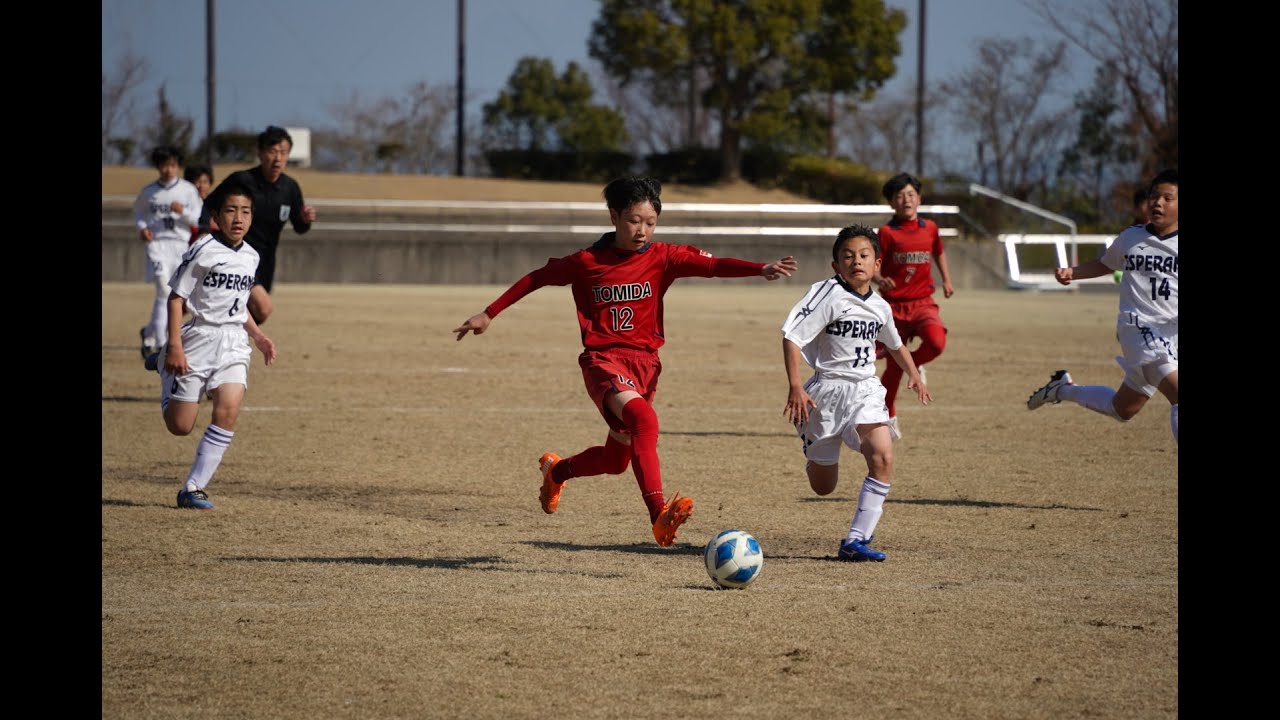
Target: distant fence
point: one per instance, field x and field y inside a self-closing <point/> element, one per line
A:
<point x="495" y="242"/>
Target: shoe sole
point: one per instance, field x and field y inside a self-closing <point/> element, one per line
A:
<point x="858" y="557"/>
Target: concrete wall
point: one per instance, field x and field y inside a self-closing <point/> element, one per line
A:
<point x="497" y="246"/>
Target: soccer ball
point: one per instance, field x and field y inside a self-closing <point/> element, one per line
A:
<point x="733" y="559"/>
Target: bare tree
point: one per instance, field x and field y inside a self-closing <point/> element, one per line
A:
<point x="117" y="101"/>
<point x="168" y="127"/>
<point x="881" y="133"/>
<point x="353" y="144"/>
<point x="1005" y="102"/>
<point x="424" y="127"/>
<point x="403" y="135"/>
<point x="1137" y="41"/>
<point x="654" y="128"/>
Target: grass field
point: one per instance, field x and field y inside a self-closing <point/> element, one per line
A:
<point x="378" y="550"/>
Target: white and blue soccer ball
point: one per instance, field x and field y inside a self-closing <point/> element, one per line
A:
<point x="733" y="559"/>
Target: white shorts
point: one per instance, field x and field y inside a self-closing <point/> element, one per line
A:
<point x="216" y="354"/>
<point x="841" y="407"/>
<point x="1150" y="354"/>
<point x="163" y="257"/>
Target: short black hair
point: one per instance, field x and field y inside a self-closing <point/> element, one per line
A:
<point x="897" y="182"/>
<point x="163" y="154"/>
<point x="853" y="231"/>
<point x="234" y="188"/>
<point x="1167" y="176"/>
<point x="193" y="172"/>
<point x="624" y="192"/>
<point x="272" y="135"/>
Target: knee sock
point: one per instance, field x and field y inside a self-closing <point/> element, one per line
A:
<point x="642" y="421"/>
<point x="870" y="508"/>
<point x="1173" y="421"/>
<point x="611" y="458"/>
<point x="1097" y="398"/>
<point x="208" y="457"/>
<point x="158" y="328"/>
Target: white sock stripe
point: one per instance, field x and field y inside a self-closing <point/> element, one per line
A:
<point x="871" y="484"/>
<point x="215" y="433"/>
<point x="216" y="440"/>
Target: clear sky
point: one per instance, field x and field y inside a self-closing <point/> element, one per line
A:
<point x="286" y="62"/>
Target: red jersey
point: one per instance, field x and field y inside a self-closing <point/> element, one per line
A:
<point x="907" y="251"/>
<point x="619" y="293"/>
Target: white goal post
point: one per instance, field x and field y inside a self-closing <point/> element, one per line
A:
<point x="1066" y="247"/>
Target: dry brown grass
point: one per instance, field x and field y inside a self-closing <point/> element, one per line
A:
<point x="378" y="551"/>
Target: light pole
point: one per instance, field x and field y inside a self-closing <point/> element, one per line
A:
<point x="462" y="89"/>
<point x="920" y="96"/>
<point x="210" y="94"/>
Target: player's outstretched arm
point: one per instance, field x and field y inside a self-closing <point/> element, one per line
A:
<point x="775" y="270"/>
<point x="477" y="324"/>
<point x="1091" y="269"/>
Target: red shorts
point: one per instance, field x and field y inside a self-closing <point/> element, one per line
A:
<point x="615" y="371"/>
<point x="910" y="317"/>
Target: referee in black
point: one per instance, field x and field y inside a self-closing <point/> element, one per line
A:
<point x="277" y="198"/>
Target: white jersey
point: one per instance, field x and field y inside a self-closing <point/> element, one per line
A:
<point x="1150" y="285"/>
<point x="152" y="210"/>
<point x="837" y="329"/>
<point x="215" y="280"/>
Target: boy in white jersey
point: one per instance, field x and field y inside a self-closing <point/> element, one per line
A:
<point x="164" y="212"/>
<point x="1147" y="325"/>
<point x="210" y="353"/>
<point x="834" y="328"/>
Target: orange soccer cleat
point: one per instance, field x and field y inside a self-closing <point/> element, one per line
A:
<point x="674" y="513"/>
<point x="550" y="495"/>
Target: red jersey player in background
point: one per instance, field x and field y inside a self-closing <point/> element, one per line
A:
<point x="618" y="285"/>
<point x="908" y="244"/>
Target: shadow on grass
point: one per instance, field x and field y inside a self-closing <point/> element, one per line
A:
<point x="635" y="548"/>
<point x="484" y="563"/>
<point x="480" y="562"/>
<point x="130" y="399"/>
<point x="725" y="433"/>
<point x="129" y="503"/>
<point x="962" y="502"/>
<point x="956" y="502"/>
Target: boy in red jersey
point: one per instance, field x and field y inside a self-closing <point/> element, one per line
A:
<point x="618" y="285"/>
<point x="905" y="280"/>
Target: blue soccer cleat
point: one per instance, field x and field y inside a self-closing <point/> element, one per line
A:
<point x="194" y="499"/>
<point x="857" y="551"/>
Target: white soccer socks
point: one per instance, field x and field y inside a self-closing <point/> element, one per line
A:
<point x="1097" y="398"/>
<point x="870" y="507"/>
<point x="208" y="457"/>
